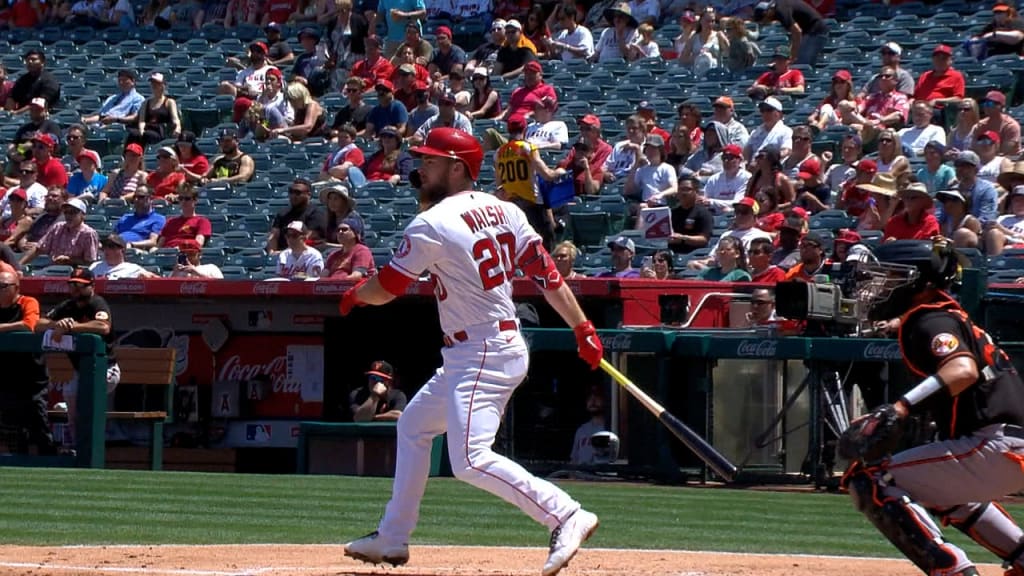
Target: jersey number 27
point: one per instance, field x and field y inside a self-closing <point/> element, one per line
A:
<point x="494" y="259"/>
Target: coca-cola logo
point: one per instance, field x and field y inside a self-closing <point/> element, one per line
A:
<point x="329" y="288"/>
<point x="192" y="288"/>
<point x="266" y="288"/>
<point x="125" y="287"/>
<point x="756" y="348"/>
<point x="234" y="369"/>
<point x="55" y="287"/>
<point x="882" y="351"/>
<point x="618" y="343"/>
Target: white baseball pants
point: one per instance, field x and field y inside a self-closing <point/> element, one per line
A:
<point x="466" y="397"/>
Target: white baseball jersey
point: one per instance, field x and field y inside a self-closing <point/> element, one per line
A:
<point x="470" y="243"/>
<point x="309" y="263"/>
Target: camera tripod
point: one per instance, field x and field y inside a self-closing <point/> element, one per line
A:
<point x="828" y="418"/>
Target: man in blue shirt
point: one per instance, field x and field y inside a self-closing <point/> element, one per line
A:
<point x="982" y="197"/>
<point x="141" y="228"/>
<point x="397" y="13"/>
<point x="623" y="250"/>
<point x="123" y="107"/>
<point x="387" y="112"/>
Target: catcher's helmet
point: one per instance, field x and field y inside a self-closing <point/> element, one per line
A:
<point x="934" y="264"/>
<point x="455" y="144"/>
<point x="606" y="447"/>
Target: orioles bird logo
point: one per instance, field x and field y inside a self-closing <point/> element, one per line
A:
<point x="944" y="344"/>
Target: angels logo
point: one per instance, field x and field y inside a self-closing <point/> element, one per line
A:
<point x="944" y="344"/>
<point x="404" y="248"/>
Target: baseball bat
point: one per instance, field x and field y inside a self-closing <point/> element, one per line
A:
<point x="699" y="446"/>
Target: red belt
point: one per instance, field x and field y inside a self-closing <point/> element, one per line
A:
<point x="461" y="336"/>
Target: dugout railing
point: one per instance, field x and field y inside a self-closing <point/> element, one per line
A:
<point x="89" y="450"/>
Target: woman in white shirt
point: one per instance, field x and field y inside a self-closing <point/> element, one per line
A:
<point x="615" y="40"/>
<point x="651" y="178"/>
<point x="704" y="49"/>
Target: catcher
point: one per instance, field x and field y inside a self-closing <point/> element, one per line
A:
<point x="975" y="397"/>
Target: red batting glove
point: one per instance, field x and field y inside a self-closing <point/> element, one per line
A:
<point x="590" y="348"/>
<point x="350" y="299"/>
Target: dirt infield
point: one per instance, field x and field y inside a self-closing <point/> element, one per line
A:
<point x="316" y="560"/>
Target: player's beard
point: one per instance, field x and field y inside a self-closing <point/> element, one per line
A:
<point x="431" y="194"/>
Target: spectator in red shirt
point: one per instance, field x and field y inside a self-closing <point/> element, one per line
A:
<point x="191" y="160"/>
<point x="759" y="262"/>
<point x="27" y="13"/>
<point x="278" y="11"/>
<point x="353" y="260"/>
<point x="916" y="221"/>
<point x="942" y="84"/>
<point x="164" y="181"/>
<point x="525" y="97"/>
<point x="375" y="67"/>
<point x="781" y="80"/>
<point x="187" y="226"/>
<point x="51" y="170"/>
<point x="587" y="157"/>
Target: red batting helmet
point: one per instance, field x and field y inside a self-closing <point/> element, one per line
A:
<point x="455" y="144"/>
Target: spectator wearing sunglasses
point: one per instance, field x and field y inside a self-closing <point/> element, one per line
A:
<point x="34" y="191"/>
<point x="997" y="121"/>
<point x="759" y="263"/>
<point x="662" y="267"/>
<point x="891" y="54"/>
<point x="885" y="108"/>
<point x="300" y="208"/>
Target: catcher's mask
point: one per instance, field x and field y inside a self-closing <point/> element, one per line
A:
<point x="606" y="447"/>
<point x="886" y="287"/>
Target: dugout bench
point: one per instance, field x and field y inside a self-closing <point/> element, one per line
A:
<point x="148" y="367"/>
<point x="358" y="449"/>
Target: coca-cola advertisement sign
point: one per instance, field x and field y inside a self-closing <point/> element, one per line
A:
<point x="192" y="288"/>
<point x="266" y="288"/>
<point x="55" y="287"/>
<point x="882" y="351"/>
<point x="756" y="348"/>
<point x="272" y="369"/>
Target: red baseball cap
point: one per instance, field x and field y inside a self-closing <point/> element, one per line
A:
<point x="749" y="203"/>
<point x="843" y="75"/>
<point x="868" y="166"/>
<point x="443" y="31"/>
<point x="516" y="123"/>
<point x="385" y="83"/>
<point x="19" y="193"/>
<point x="810" y="168"/>
<point x="732" y="150"/>
<point x="275" y="73"/>
<point x="134" y="149"/>
<point x="942" y="49"/>
<point x="996" y="96"/>
<point x="261" y="46"/>
<point x="847" y="236"/>
<point x="533" y="66"/>
<point x="591" y="120"/>
<point x="90" y="154"/>
<point x="1001" y="7"/>
<point x="799" y="212"/>
<point x="45" y="139"/>
<point x="989" y="135"/>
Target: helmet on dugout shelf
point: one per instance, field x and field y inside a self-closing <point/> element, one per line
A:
<point x="606" y="447"/>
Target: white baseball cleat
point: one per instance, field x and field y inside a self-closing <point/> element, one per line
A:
<point x="371" y="548"/>
<point x="567" y="539"/>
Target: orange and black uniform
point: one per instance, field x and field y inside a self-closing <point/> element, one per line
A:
<point x="931" y="335"/>
<point x="23" y="396"/>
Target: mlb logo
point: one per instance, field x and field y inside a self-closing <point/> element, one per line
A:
<point x="257" y="432"/>
<point x="656" y="223"/>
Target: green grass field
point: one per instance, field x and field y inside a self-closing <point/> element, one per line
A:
<point x="60" y="507"/>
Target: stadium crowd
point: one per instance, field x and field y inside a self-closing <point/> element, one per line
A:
<point x="773" y="157"/>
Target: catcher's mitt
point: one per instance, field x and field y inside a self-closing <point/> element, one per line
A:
<point x="873" y="436"/>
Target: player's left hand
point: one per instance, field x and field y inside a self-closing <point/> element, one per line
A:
<point x="590" y="348"/>
<point x="350" y="299"/>
<point x="873" y="436"/>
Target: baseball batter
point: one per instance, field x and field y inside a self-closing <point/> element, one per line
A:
<point x="975" y="397"/>
<point x="472" y="244"/>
